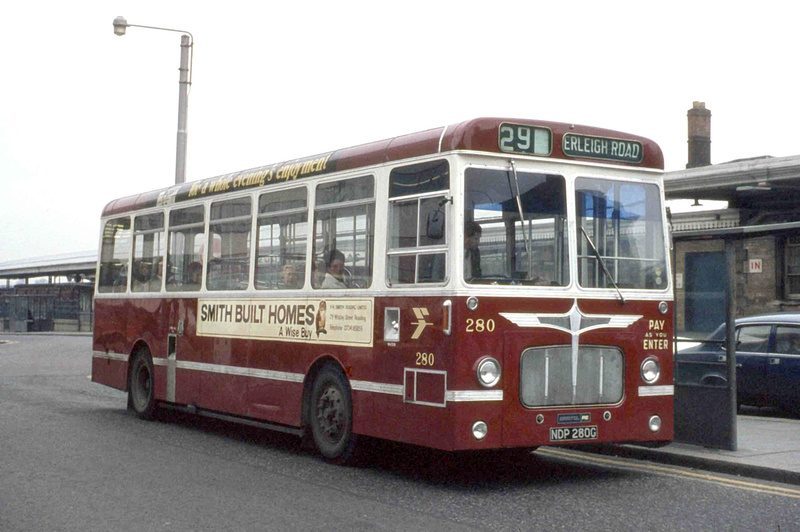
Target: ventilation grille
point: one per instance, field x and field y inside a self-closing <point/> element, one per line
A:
<point x="547" y="376"/>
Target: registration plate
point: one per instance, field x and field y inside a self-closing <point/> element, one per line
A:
<point x="573" y="433"/>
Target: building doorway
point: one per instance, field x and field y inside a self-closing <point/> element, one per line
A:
<point x="705" y="290"/>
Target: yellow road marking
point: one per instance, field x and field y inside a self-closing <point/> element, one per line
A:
<point x="677" y="473"/>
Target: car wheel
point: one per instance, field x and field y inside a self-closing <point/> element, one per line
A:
<point x="331" y="416"/>
<point x="141" y="398"/>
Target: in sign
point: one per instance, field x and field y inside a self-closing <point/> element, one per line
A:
<point x="755" y="266"/>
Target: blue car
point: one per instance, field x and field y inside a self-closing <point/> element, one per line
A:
<point x="767" y="361"/>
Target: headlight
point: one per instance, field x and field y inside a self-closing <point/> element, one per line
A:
<point x="479" y="430"/>
<point x="651" y="370"/>
<point x="488" y="372"/>
<point x="654" y="423"/>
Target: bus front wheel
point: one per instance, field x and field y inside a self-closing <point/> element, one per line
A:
<point x="331" y="416"/>
<point x="141" y="399"/>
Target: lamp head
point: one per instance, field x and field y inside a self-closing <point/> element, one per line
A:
<point x="120" y="24"/>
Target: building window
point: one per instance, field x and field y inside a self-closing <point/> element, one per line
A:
<point x="792" y="284"/>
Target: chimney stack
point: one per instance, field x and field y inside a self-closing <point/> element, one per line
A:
<point x="699" y="135"/>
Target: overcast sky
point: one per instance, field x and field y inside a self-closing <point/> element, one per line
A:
<point x="87" y="116"/>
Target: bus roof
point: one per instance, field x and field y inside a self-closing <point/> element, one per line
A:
<point x="564" y="141"/>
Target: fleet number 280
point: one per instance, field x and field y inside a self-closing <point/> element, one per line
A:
<point x="480" y="325"/>
<point x="425" y="359"/>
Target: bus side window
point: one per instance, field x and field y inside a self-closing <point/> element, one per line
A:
<point x="229" y="245"/>
<point x="418" y="223"/>
<point x="281" y="240"/>
<point x="187" y="240"/>
<point x="148" y="252"/>
<point x="344" y="230"/>
<point x="114" y="256"/>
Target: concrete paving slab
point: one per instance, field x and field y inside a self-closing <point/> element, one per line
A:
<point x="768" y="448"/>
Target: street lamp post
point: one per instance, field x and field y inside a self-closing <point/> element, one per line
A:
<point x="185" y="82"/>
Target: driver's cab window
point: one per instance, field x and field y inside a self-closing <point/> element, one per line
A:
<point x="418" y="213"/>
<point x="515" y="228"/>
<point x="620" y="234"/>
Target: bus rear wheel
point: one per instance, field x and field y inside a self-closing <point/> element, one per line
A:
<point x="141" y="398"/>
<point x="331" y="416"/>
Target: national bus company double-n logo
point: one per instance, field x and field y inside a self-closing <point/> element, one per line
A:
<point x="420" y="313"/>
<point x="336" y="321"/>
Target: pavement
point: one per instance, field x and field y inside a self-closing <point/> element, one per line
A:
<point x="768" y="448"/>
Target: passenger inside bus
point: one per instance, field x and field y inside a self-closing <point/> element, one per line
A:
<point x="118" y="274"/>
<point x="155" y="281"/>
<point x="334" y="275"/>
<point x="215" y="279"/>
<point x="317" y="273"/>
<point x="143" y="280"/>
<point x="472" y="254"/>
<point x="290" y="276"/>
<point x="194" y="274"/>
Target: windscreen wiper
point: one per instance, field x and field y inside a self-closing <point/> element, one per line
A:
<point x="528" y="243"/>
<point x="602" y="264"/>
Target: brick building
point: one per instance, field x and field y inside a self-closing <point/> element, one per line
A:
<point x="762" y="221"/>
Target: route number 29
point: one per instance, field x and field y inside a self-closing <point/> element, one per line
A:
<point x="514" y="138"/>
<point x="480" y="325"/>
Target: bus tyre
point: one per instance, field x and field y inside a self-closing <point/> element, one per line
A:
<point x="331" y="416"/>
<point x="141" y="400"/>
